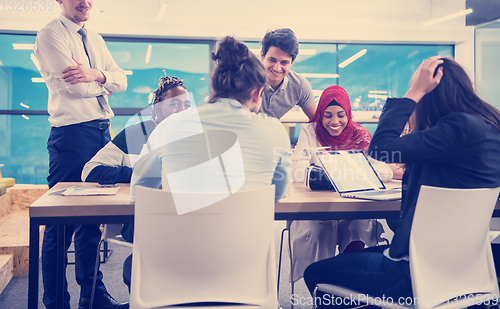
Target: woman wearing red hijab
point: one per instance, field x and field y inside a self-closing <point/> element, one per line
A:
<point x="332" y="126"/>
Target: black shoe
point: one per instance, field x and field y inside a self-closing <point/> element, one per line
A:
<point x="102" y="301"/>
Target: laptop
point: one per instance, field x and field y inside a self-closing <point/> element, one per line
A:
<point x="353" y="176"/>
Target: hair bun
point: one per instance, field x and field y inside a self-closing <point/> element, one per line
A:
<point x="231" y="54"/>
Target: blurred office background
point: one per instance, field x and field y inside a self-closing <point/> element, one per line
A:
<point x="369" y="47"/>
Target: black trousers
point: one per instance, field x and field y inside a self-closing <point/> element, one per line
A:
<point x="70" y="148"/>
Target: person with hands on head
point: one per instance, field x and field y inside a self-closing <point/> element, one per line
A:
<point x="455" y="143"/>
<point x="80" y="74"/>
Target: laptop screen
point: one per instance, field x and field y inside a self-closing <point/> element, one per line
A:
<point x="349" y="171"/>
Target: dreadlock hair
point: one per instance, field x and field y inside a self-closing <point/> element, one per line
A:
<point x="454" y="93"/>
<point x="238" y="71"/>
<point x="164" y="84"/>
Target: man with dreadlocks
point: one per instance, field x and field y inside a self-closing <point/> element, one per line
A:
<point x="113" y="163"/>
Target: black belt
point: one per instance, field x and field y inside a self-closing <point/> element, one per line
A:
<point x="101" y="124"/>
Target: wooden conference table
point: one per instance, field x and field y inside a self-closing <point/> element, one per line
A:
<point x="300" y="204"/>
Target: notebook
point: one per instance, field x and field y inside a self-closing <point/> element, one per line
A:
<point x="353" y="176"/>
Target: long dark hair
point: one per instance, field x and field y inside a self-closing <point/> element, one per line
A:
<point x="238" y="71"/>
<point x="454" y="93"/>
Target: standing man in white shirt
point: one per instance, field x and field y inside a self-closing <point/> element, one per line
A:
<point x="285" y="88"/>
<point x="80" y="74"/>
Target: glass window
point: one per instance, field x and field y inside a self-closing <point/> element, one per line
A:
<point x="371" y="73"/>
<point x="379" y="71"/>
<point x="144" y="64"/>
<point x="487" y="65"/>
<point x="23" y="148"/>
<point x="21" y="86"/>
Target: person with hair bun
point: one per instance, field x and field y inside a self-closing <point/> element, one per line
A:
<point x="230" y="121"/>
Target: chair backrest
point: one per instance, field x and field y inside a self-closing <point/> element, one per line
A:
<point x="450" y="252"/>
<point x="220" y="253"/>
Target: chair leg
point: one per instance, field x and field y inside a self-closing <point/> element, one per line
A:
<point x="105" y="252"/>
<point x="286" y="229"/>
<point x="94" y="280"/>
<point x="314" y="297"/>
<point x="279" y="261"/>
<point x="288" y="226"/>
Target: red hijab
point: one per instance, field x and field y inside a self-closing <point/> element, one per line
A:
<point x="353" y="137"/>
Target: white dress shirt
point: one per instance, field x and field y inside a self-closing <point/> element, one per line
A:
<point x="56" y="44"/>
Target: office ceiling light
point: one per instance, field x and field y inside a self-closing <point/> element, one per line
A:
<point x="24" y="105"/>
<point x="319" y="75"/>
<point x="23" y="46"/>
<point x="378" y="96"/>
<point x="162" y="11"/>
<point x="148" y="53"/>
<point x="447" y="17"/>
<point x="307" y="52"/>
<point x="25" y="117"/>
<point x="37" y="80"/>
<point x="128" y="72"/>
<point x="353" y="58"/>
<point x="378" y="91"/>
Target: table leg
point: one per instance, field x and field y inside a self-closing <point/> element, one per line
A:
<point x="60" y="272"/>
<point x="33" y="265"/>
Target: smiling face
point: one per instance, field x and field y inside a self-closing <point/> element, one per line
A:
<point x="334" y="120"/>
<point x="173" y="101"/>
<point x="277" y="64"/>
<point x="78" y="11"/>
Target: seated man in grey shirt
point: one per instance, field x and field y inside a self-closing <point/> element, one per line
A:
<point x="285" y="88"/>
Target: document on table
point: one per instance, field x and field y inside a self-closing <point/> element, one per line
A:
<point x="72" y="191"/>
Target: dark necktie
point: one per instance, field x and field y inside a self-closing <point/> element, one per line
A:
<point x="102" y="101"/>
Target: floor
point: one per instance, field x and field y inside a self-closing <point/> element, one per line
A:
<point x="15" y="295"/>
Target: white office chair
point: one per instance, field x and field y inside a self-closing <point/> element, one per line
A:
<point x="112" y="234"/>
<point x="450" y="251"/>
<point x="223" y="253"/>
